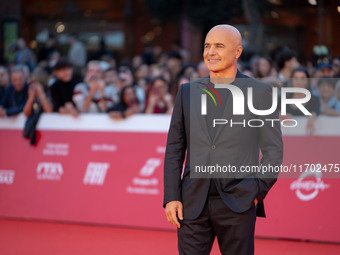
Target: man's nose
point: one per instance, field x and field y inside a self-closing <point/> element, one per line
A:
<point x="212" y="51"/>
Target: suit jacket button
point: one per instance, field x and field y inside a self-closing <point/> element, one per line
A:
<point x="213" y="147"/>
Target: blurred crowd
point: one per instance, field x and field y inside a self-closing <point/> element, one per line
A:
<point x="74" y="83"/>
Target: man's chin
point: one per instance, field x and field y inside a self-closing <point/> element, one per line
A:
<point x="213" y="69"/>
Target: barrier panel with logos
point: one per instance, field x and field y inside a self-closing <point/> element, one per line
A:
<point x="92" y="169"/>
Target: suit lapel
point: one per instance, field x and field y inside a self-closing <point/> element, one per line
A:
<point x="195" y="104"/>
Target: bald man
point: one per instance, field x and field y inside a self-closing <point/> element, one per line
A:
<point x="201" y="203"/>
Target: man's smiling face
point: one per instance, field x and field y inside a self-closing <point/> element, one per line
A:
<point x="221" y="51"/>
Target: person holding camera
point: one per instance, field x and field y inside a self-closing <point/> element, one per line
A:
<point x="37" y="99"/>
<point x="159" y="99"/>
<point x="89" y="96"/>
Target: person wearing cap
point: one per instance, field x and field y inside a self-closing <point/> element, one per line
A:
<point x="324" y="69"/>
<point x="62" y="88"/>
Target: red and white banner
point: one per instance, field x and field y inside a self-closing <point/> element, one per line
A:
<point x="96" y="170"/>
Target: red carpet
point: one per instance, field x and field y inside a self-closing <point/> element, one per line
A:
<point x="45" y="238"/>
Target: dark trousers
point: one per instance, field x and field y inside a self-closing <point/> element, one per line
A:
<point x="234" y="231"/>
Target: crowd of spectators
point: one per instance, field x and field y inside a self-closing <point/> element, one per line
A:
<point x="148" y="83"/>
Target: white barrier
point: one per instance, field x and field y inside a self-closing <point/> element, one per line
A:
<point x="324" y="125"/>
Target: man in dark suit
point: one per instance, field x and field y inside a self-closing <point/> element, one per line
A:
<point x="203" y="204"/>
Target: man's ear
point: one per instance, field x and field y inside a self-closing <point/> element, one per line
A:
<point x="238" y="51"/>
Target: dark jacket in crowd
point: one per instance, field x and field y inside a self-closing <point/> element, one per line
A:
<point x="62" y="92"/>
<point x="14" y="101"/>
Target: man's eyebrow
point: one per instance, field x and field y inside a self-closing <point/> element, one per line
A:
<point x="216" y="44"/>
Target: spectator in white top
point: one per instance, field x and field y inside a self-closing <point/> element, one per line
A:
<point x="111" y="88"/>
<point x="92" y="95"/>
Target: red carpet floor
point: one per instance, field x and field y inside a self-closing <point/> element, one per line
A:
<point x="46" y="238"/>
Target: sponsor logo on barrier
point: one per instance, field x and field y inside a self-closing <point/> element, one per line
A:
<point x="308" y="189"/>
<point x="144" y="183"/>
<point x="7" y="177"/>
<point x="49" y="171"/>
<point x="104" y="147"/>
<point x="95" y="173"/>
<point x="56" y="149"/>
<point x="150" y="167"/>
